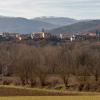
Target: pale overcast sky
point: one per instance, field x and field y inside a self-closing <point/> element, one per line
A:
<point x="79" y="9"/>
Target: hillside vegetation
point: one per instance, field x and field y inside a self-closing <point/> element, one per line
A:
<point x="26" y="26"/>
<point x="84" y="26"/>
<point x="23" y="25"/>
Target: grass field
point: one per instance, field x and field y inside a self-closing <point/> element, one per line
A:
<point x="22" y="93"/>
<point x="51" y="98"/>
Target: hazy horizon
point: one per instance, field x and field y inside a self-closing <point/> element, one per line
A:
<point x="77" y="9"/>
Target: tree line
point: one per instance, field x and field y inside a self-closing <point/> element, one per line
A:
<point x="29" y="63"/>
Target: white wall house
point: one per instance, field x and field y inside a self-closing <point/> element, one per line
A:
<point x="39" y="35"/>
<point x="72" y="38"/>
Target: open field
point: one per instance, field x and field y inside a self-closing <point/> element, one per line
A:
<point x="23" y="91"/>
<point x="26" y="92"/>
<point x="52" y="98"/>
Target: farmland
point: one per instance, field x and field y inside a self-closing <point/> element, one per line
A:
<point x="53" y="98"/>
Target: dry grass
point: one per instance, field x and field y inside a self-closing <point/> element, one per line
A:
<point x="23" y="91"/>
<point x="52" y="98"/>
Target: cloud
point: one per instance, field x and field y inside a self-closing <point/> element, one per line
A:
<point x="33" y="8"/>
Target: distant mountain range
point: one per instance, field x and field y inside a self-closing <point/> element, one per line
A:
<point x="83" y="26"/>
<point x="55" y="25"/>
<point x="58" y="21"/>
<point x="23" y="25"/>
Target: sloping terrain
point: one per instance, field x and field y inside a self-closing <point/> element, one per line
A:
<point x="84" y="26"/>
<point x="59" y="21"/>
<point x="22" y="25"/>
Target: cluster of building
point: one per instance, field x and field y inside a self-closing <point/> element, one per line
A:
<point x="46" y="35"/>
<point x="67" y="36"/>
<point x="10" y="36"/>
<point x="18" y="36"/>
<point x="80" y="36"/>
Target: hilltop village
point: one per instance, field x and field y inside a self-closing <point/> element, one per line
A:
<point x="63" y="37"/>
